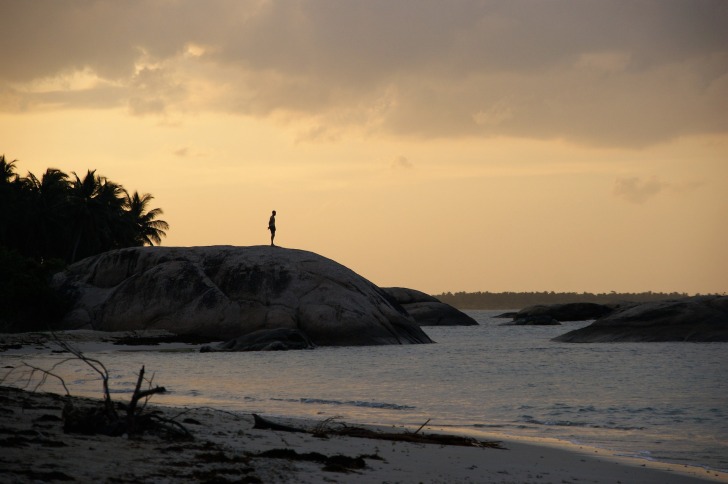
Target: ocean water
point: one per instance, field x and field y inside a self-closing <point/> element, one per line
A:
<point x="660" y="401"/>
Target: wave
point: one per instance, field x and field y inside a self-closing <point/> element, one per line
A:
<point x="571" y="423"/>
<point x="349" y="403"/>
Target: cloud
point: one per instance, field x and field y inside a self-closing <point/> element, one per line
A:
<point x="152" y="89"/>
<point x="401" y="163"/>
<point x="494" y="115"/>
<point x="636" y="190"/>
<point x="619" y="73"/>
<point x="687" y="186"/>
<point x="639" y="190"/>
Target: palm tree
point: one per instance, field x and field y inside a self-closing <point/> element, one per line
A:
<point x="97" y="206"/>
<point x="113" y="231"/>
<point x="9" y="192"/>
<point x="57" y="216"/>
<point x="147" y="230"/>
<point x="81" y="199"/>
<point x="7" y="170"/>
<point x="46" y="214"/>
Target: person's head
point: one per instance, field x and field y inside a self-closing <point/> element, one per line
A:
<point x="274" y="212"/>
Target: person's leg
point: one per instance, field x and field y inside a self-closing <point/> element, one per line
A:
<point x="272" y="236"/>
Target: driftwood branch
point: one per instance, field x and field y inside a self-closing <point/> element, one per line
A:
<point x="324" y="427"/>
<point x="421" y="426"/>
<point x="44" y="374"/>
<point x="96" y="366"/>
<point x="105" y="420"/>
<point x="439" y="439"/>
<point x="264" y="424"/>
<point x="131" y="410"/>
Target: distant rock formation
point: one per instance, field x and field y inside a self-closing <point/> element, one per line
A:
<point x="427" y="310"/>
<point x="701" y="318"/>
<point x="224" y="292"/>
<point x="536" y="320"/>
<point x="552" y="314"/>
<point x="579" y="311"/>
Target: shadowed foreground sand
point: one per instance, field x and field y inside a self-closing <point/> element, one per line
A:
<point x="226" y="448"/>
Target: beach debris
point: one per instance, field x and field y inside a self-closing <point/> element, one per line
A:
<point x="109" y="417"/>
<point x="438" y="439"/>
<point x="264" y="424"/>
<point x="322" y="428"/>
<point x="359" y="432"/>
<point x="423" y="425"/>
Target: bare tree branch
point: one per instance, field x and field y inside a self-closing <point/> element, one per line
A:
<point x="106" y="421"/>
<point x="44" y="374"/>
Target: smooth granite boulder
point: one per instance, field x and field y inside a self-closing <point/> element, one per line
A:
<point x="223" y="292"/>
<point x="427" y="310"/>
<point x="701" y="318"/>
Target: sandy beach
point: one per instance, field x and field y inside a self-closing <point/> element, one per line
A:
<point x="226" y="448"/>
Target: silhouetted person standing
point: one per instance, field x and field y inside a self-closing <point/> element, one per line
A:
<point x="272" y="227"/>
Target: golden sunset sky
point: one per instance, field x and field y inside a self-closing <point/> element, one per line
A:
<point x="439" y="145"/>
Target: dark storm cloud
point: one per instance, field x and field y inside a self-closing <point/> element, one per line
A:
<point x="619" y="72"/>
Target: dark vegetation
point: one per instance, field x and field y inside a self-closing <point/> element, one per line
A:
<point x="519" y="300"/>
<point x="55" y="220"/>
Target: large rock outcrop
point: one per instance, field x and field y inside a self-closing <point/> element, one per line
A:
<point x="223" y="292"/>
<point x="703" y="318"/>
<point x="427" y="310"/>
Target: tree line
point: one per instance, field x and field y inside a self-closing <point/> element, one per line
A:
<point x="56" y="219"/>
<point x="519" y="300"/>
<point x="64" y="217"/>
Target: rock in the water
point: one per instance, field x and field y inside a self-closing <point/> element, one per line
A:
<point x="427" y="310"/>
<point x="278" y="339"/>
<point x="223" y="292"/>
<point x="536" y="320"/>
<point x="702" y="318"/>
<point x="580" y="311"/>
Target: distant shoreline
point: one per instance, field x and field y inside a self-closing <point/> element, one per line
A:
<point x="519" y="300"/>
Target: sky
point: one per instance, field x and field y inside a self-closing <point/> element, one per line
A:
<point x="512" y="145"/>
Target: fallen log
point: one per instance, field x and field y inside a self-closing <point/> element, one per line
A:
<point x="358" y="432"/>
<point x="417" y="438"/>
<point x="264" y="424"/>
